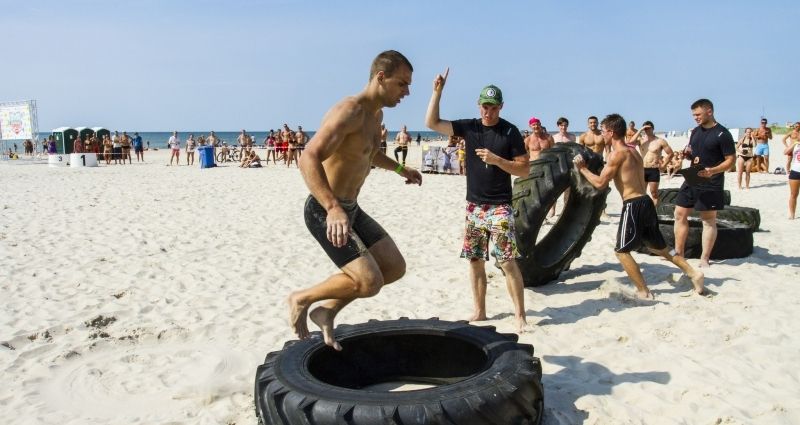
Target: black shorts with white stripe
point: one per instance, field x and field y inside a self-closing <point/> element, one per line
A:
<point x="638" y="225"/>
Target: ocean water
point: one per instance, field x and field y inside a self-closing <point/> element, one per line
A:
<point x="158" y="139"/>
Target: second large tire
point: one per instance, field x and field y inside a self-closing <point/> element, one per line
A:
<point x="483" y="377"/>
<point x="668" y="195"/>
<point x="551" y="174"/>
<point x="734" y="240"/>
<point x="745" y="215"/>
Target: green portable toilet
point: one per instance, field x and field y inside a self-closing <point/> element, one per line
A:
<point x="65" y="138"/>
<point x="101" y="132"/>
<point x="85" y="133"/>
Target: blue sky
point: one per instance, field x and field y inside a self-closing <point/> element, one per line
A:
<point x="159" y="65"/>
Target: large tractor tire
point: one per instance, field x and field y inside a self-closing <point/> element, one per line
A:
<point x="745" y="215"/>
<point x="668" y="196"/>
<point x="479" y="377"/>
<point x="734" y="240"/>
<point x="550" y="175"/>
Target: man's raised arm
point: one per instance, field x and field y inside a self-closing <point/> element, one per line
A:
<point x="432" y="119"/>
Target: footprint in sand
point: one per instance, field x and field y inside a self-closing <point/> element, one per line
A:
<point x="152" y="380"/>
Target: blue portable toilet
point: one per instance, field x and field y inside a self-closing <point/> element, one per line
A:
<point x="206" y="156"/>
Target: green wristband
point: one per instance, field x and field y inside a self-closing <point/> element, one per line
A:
<point x="399" y="169"/>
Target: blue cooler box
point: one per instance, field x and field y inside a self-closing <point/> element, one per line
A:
<point x="206" y="156"/>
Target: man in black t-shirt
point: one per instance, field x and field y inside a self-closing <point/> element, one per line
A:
<point x="711" y="147"/>
<point x="494" y="151"/>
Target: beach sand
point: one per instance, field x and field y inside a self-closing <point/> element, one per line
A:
<point x="145" y="294"/>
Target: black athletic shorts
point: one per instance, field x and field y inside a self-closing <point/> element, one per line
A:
<point x="652" y="175"/>
<point x="700" y="199"/>
<point x="638" y="225"/>
<point x="365" y="231"/>
<point x="794" y="175"/>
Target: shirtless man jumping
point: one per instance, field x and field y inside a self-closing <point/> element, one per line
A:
<point x="638" y="223"/>
<point x="651" y="147"/>
<point x="593" y="139"/>
<point x="334" y="167"/>
<point x="538" y="140"/>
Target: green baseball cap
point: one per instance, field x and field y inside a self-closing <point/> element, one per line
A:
<point x="491" y="94"/>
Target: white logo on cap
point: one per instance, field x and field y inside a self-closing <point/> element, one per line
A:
<point x="490" y="93"/>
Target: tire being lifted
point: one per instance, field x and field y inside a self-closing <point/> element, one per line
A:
<point x="551" y="174"/>
<point x="482" y="377"/>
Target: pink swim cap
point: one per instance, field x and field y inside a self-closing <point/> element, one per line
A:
<point x="533" y="121"/>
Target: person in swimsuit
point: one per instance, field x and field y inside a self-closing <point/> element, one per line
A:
<point x="271" y="143"/>
<point x="538" y="140"/>
<point x="175" y="146"/>
<point x="638" y="224"/>
<point x="744" y="152"/>
<point x="116" y="148"/>
<point x="593" y="139"/>
<point x="629" y="134"/>
<point x="763" y="135"/>
<point x="125" y="143"/>
<point x="563" y="136"/>
<point x="190" y="147"/>
<point x="651" y="148"/>
<point x="794" y="175"/>
<point x="384" y="136"/>
<point x="108" y="148"/>
<point x="77" y="145"/>
<point x="790" y="139"/>
<point x="402" y="139"/>
<point x="334" y="167"/>
<point x="251" y="160"/>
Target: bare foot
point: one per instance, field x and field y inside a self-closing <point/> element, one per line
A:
<point x="704" y="264"/>
<point x="521" y="324"/>
<point x="323" y="317"/>
<point x="644" y="294"/>
<point x="697" y="281"/>
<point x="478" y="317"/>
<point x="297" y="316"/>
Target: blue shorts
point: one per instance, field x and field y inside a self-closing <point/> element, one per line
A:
<point x="762" y="149"/>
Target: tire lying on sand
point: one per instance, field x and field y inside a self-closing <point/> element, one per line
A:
<point x="551" y="174"/>
<point x="745" y="215"/>
<point x="734" y="240"/>
<point x="480" y="377"/>
<point x="668" y="196"/>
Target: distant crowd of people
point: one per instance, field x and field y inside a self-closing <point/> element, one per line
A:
<point x="285" y="146"/>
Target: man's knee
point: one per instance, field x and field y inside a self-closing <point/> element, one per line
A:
<point x="681" y="214"/>
<point x="368" y="286"/>
<point x="394" y="271"/>
<point x="709" y="218"/>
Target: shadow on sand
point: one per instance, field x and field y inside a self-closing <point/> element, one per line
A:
<point x="577" y="379"/>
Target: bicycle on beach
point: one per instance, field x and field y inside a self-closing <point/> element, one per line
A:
<point x="232" y="155"/>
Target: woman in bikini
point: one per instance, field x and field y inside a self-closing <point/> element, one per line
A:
<point x="744" y="162"/>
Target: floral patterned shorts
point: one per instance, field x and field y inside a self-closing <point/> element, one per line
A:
<point x="485" y="222"/>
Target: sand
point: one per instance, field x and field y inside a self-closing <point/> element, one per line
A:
<point x="146" y="294"/>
